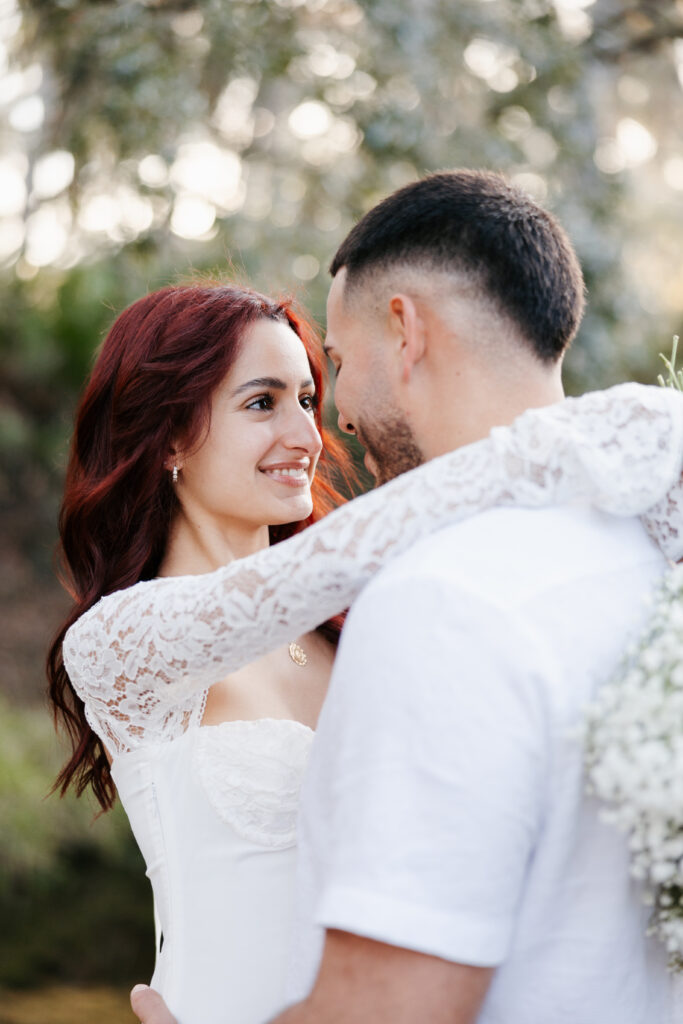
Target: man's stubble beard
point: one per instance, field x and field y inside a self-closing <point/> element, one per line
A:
<point x="392" y="446"/>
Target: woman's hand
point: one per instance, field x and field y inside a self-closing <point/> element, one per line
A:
<point x="149" y="1006"/>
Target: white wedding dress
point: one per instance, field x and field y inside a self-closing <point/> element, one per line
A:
<point x="213" y="808"/>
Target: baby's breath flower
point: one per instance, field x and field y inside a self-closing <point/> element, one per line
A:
<point x="634" y="760"/>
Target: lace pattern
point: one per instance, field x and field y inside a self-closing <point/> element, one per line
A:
<point x="142" y="658"/>
<point x="251" y="773"/>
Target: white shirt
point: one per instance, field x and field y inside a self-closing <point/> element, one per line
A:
<point x="445" y="807"/>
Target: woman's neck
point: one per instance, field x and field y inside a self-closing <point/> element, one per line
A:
<point x="202" y="544"/>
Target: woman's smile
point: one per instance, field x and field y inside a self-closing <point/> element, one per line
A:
<point x="291" y="474"/>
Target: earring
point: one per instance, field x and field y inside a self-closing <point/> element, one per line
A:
<point x="175" y="474"/>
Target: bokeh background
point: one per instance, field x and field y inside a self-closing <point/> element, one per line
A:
<point x="145" y="139"/>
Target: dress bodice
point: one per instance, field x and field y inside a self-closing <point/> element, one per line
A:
<point x="214" y="813"/>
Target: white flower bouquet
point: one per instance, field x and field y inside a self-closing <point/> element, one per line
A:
<point x="634" y="760"/>
<point x="634" y="750"/>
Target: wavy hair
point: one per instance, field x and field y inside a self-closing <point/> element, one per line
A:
<point x="153" y="381"/>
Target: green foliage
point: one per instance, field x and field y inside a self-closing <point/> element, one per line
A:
<point x="674" y="377"/>
<point x="73" y="896"/>
<point x="50" y="329"/>
<point x="87" y="919"/>
<point x="36" y="825"/>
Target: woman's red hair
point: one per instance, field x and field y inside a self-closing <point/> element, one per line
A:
<point x="152" y="382"/>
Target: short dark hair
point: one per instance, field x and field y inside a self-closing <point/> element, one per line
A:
<point x="477" y="223"/>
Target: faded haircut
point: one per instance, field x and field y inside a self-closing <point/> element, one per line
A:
<point x="478" y="226"/>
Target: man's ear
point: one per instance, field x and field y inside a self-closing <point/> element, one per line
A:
<point x="407" y="327"/>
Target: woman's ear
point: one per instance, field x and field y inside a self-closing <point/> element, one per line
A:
<point x="174" y="457"/>
<point x="407" y="327"/>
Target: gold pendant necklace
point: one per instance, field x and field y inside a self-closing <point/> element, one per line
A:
<point x="297" y="654"/>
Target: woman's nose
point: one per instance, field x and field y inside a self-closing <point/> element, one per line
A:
<point x="302" y="432"/>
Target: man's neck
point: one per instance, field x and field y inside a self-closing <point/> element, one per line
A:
<point x="483" y="404"/>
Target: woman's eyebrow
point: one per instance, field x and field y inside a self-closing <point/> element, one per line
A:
<point x="261" y="382"/>
<point x="267" y="382"/>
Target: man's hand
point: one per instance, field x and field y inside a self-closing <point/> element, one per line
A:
<point x="150" y="1007"/>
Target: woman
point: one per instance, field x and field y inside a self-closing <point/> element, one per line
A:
<point x="196" y="444"/>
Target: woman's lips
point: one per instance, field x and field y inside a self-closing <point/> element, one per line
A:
<point x="288" y="474"/>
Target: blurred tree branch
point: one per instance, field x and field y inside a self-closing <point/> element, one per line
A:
<point x="637" y="28"/>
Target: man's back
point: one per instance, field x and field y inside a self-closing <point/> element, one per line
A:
<point x="445" y="809"/>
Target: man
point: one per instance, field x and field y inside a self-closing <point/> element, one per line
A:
<point x="452" y="868"/>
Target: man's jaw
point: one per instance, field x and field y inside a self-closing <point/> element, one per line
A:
<point x="370" y="464"/>
<point x="370" y="460"/>
<point x="392" y="452"/>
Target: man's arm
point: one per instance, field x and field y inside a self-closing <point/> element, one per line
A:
<point x="370" y="982"/>
<point x="374" y="983"/>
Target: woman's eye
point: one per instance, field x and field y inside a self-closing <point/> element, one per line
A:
<point x="262" y="403"/>
<point x="309" y="402"/>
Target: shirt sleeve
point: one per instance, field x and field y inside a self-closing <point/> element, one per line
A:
<point x="435" y="736"/>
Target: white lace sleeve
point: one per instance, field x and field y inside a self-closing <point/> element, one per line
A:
<point x="140" y="657"/>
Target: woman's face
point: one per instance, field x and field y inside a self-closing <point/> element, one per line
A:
<point x="255" y="467"/>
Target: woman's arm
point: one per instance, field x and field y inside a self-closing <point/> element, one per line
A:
<point x="144" y="653"/>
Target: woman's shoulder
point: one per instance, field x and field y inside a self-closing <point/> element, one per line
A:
<point x="96" y="641"/>
<point x="134" y="602"/>
<point x="127" y="658"/>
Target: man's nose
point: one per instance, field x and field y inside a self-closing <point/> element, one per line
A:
<point x="344" y="425"/>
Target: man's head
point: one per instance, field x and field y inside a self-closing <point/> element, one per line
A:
<point x="453" y="303"/>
